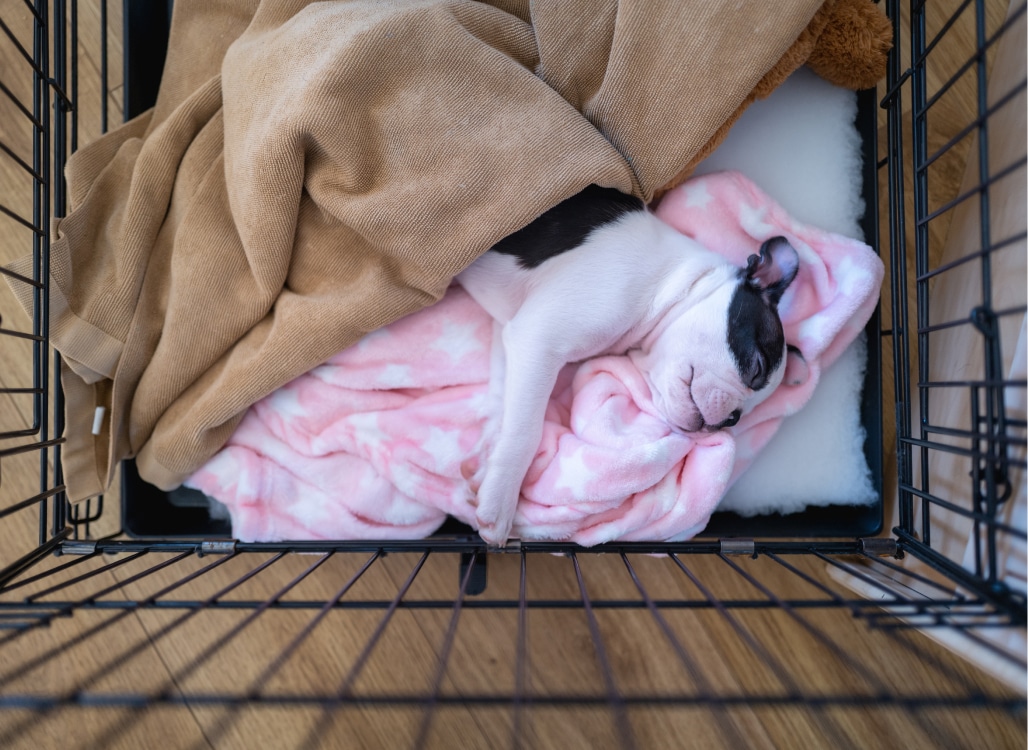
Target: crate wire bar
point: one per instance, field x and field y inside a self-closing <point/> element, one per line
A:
<point x="991" y="433"/>
<point x="225" y="628"/>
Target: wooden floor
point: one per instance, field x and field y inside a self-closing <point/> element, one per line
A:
<point x="111" y="647"/>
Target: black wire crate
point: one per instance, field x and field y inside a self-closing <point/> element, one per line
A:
<point x="347" y="627"/>
<point x="914" y="635"/>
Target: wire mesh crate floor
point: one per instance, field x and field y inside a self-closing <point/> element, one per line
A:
<point x="817" y="643"/>
<point x="614" y="649"/>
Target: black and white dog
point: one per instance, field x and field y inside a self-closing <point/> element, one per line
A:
<point x="600" y="274"/>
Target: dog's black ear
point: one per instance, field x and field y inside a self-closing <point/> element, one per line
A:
<point x="774" y="269"/>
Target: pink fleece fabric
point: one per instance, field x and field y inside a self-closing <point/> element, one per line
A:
<point x="370" y="444"/>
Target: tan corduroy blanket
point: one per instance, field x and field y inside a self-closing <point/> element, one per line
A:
<point x="313" y="171"/>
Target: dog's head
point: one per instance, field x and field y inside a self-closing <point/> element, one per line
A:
<point x="723" y="348"/>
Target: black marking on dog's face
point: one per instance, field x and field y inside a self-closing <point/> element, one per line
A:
<point x="755" y="336"/>
<point x="567" y="225"/>
<point x="755" y="333"/>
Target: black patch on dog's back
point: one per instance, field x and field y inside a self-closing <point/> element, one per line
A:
<point x="755" y="336"/>
<point x="566" y="225"/>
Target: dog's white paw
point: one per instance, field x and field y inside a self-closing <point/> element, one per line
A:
<point x="494" y="506"/>
<point x="495" y="512"/>
<point x="495" y="534"/>
<point x="473" y="468"/>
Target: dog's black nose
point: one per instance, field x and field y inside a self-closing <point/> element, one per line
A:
<point x="733" y="419"/>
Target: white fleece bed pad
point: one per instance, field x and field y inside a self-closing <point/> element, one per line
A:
<point x="801" y="147"/>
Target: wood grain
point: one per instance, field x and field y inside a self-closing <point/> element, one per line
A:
<point x="169" y="651"/>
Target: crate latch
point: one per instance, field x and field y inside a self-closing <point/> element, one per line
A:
<point x="738" y="547"/>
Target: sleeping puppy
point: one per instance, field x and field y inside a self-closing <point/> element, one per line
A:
<point x="599" y="274"/>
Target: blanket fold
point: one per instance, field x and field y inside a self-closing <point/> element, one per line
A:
<point x="313" y="171"/>
<point x="376" y="442"/>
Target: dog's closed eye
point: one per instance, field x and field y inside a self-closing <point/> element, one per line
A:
<point x="757" y="374"/>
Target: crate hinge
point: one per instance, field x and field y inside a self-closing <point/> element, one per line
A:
<point x="880" y="547"/>
<point x="738" y="547"/>
<point x="219" y="547"/>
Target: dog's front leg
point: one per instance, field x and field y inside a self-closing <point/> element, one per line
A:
<point x="531" y="369"/>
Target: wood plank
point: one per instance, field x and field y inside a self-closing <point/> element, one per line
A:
<point x="561" y="652"/>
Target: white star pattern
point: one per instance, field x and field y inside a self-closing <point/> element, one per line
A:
<point x="850" y="277"/>
<point x="371" y="338"/>
<point x="457" y="340"/>
<point x="405" y="478"/>
<point x="394" y="376"/>
<point x="286" y="402"/>
<point x="751" y="219"/>
<point x="365" y="481"/>
<point x="443" y="446"/>
<point x="574" y="475"/>
<point x="697" y="195"/>
<point x="814" y="329"/>
<point x="478" y="404"/>
<point x="366" y="433"/>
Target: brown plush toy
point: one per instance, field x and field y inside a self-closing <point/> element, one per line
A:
<point x="846" y="43"/>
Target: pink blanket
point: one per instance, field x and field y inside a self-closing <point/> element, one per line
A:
<point x="370" y="444"/>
